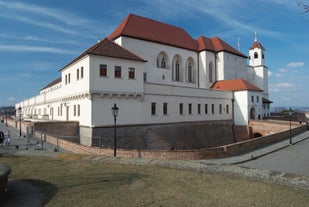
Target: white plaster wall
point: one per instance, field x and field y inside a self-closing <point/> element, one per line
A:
<point x="205" y="58"/>
<point x="149" y="51"/>
<point x="241" y="115"/>
<point x="112" y="84"/>
<point x="256" y="61"/>
<point x="76" y="87"/>
<point x="231" y="66"/>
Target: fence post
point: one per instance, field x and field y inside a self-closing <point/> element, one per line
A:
<point x="42" y="135"/>
<point x="100" y="144"/>
<point x="57" y="143"/>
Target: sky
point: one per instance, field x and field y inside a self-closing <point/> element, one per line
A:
<point x="39" y="37"/>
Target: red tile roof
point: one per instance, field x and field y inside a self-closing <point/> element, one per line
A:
<point x="216" y="44"/>
<point x="150" y="30"/>
<point x="235" y="85"/>
<point x="54" y="82"/>
<point x="256" y="44"/>
<point x="108" y="48"/>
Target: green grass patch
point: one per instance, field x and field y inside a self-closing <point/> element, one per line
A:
<point x="69" y="181"/>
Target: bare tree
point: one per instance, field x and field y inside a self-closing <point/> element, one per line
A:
<point x="303" y="6"/>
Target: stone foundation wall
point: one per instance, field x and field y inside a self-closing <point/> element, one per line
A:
<point x="166" y="136"/>
<point x="59" y="128"/>
<point x="207" y="153"/>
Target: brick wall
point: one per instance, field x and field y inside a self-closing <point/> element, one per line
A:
<point x="271" y="126"/>
<point x="182" y="136"/>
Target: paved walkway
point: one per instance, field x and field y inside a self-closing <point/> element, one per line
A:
<point x="259" y="152"/>
<point x="22" y="145"/>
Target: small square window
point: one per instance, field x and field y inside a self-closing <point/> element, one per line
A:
<point x="77" y="74"/>
<point x="103" y="70"/>
<point x="82" y="72"/>
<point x="165" y="108"/>
<point x="153" y="108"/>
<point x="181" y="108"/>
<point x="190" y="108"/>
<point x="131" y="73"/>
<point x="117" y="72"/>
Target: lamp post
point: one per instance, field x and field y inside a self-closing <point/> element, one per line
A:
<point x="115" y="110"/>
<point x="6" y="118"/>
<point x="19" y="112"/>
<point x="290" y="113"/>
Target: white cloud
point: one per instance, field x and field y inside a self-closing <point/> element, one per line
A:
<point x="295" y="64"/>
<point x="11" y="99"/>
<point x="270" y="73"/>
<point x="53" y="19"/>
<point x="282" y="87"/>
<point x="279" y="75"/>
<point x="220" y="10"/>
<point x="26" y="48"/>
<point x="283" y="70"/>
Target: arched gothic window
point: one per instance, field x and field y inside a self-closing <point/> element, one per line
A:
<point x="177" y="69"/>
<point x="190" y="70"/>
<point x="190" y="73"/>
<point x="177" y="74"/>
<point x="163" y="62"/>
<point x="256" y="55"/>
<point x="211" y="72"/>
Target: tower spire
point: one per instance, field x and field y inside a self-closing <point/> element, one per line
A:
<point x="255" y="37"/>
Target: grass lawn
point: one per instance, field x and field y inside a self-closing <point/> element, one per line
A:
<point x="68" y="181"/>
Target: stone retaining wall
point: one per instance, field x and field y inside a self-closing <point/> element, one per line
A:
<point x="207" y="153"/>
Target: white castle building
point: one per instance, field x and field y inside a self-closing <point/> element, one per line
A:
<point x="157" y="74"/>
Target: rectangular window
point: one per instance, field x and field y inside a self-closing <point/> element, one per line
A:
<point x="220" y="109"/>
<point x="206" y="108"/>
<point x="181" y="108"/>
<point x="103" y="70"/>
<point x="74" y="114"/>
<point x="66" y="79"/>
<point x="82" y="72"/>
<point x="78" y="110"/>
<point x="145" y="77"/>
<point x="212" y="108"/>
<point x="69" y="78"/>
<point x="77" y="74"/>
<point x="153" y="108"/>
<point x="117" y="72"/>
<point x="165" y="108"/>
<point x="257" y="99"/>
<point x="190" y="108"/>
<point x="199" y="108"/>
<point x="131" y="73"/>
<point x="227" y="109"/>
<point x="252" y="99"/>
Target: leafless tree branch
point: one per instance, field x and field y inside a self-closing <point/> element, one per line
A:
<point x="303" y="6"/>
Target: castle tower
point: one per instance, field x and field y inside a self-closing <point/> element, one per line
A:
<point x="257" y="63"/>
<point x="256" y="54"/>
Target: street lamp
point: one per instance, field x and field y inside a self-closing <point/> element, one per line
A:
<point x="115" y="110"/>
<point x="290" y="113"/>
<point x="19" y="112"/>
<point x="6" y="118"/>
